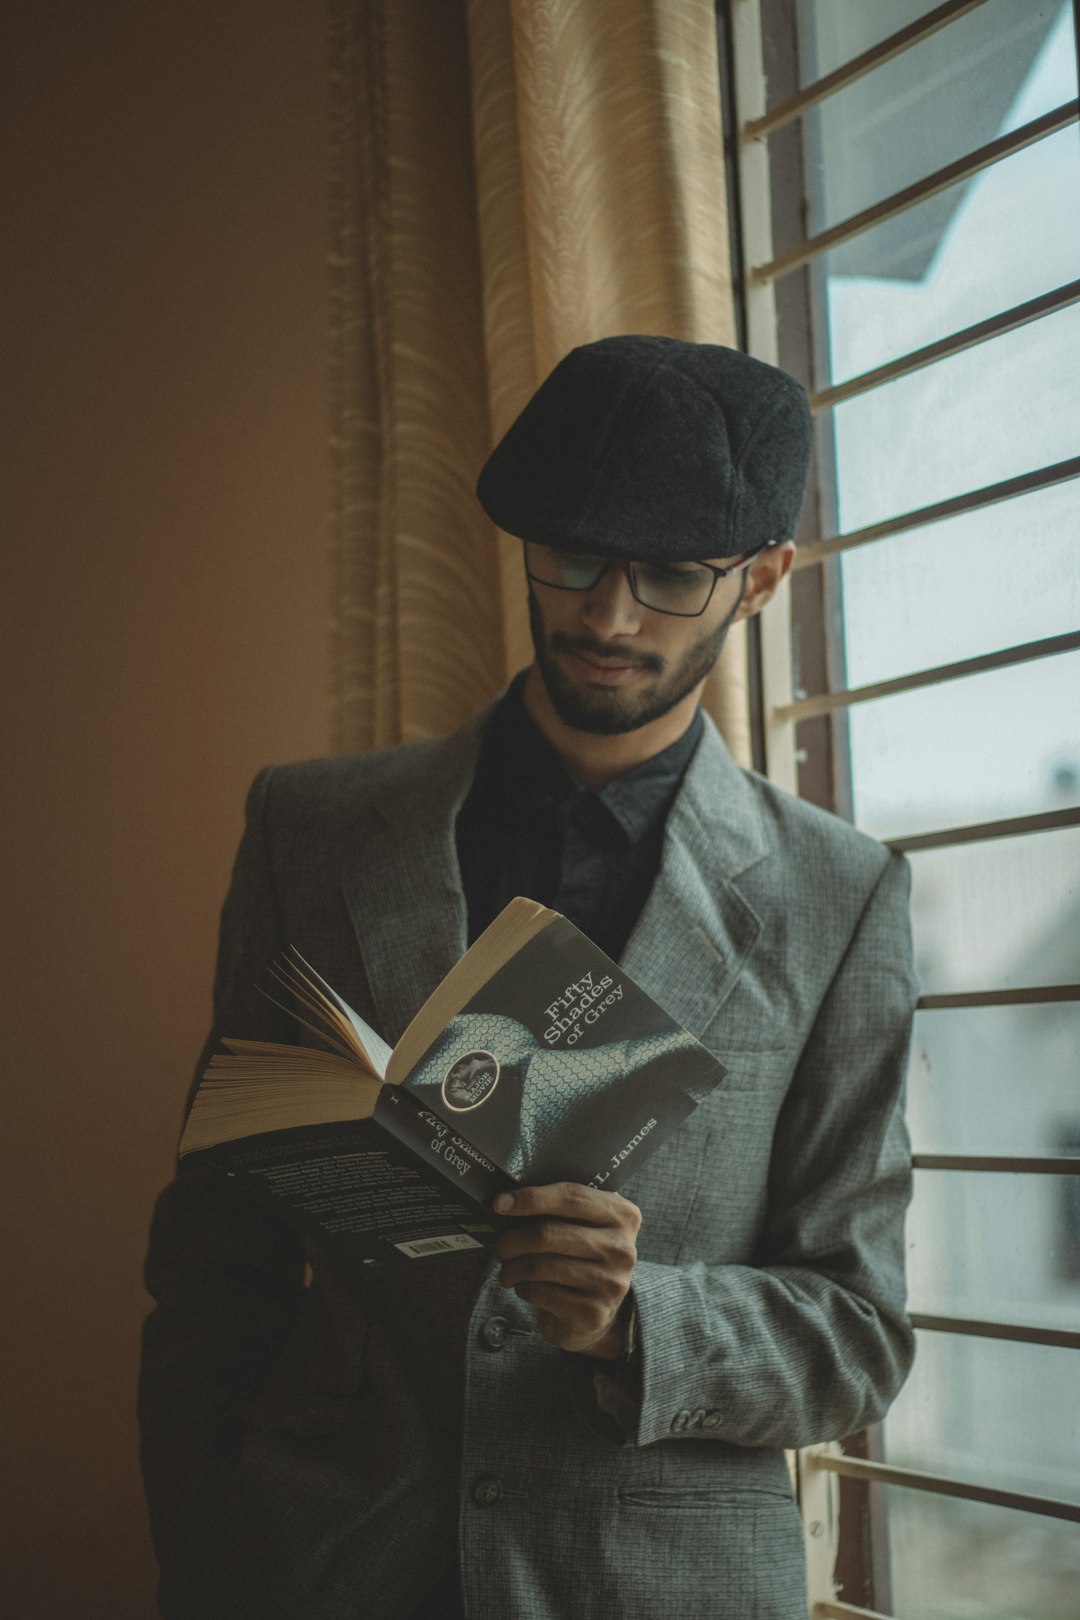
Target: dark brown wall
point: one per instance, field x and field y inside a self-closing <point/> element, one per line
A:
<point x="163" y="399"/>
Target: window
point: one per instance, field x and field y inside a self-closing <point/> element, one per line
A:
<point x="907" y="181"/>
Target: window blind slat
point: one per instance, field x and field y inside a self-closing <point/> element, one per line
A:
<point x="981" y="158"/>
<point x="1024" y="997"/>
<point x="826" y="702"/>
<point x="1059" y="472"/>
<point x="979" y="832"/>
<point x="940" y="1485"/>
<point x="1043" y="1166"/>
<point x="847" y="73"/>
<point x="967" y="338"/>
<point x="845" y="1611"/>
<point x="1057" y="1338"/>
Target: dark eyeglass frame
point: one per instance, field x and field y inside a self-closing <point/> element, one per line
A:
<point x="628" y="567"/>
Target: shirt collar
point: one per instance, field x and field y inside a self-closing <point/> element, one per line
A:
<point x="526" y="770"/>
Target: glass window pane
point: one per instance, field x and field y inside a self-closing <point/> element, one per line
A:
<point x="829" y="35"/>
<point x="991" y="71"/>
<point x="995" y="578"/>
<point x="998" y="915"/>
<point x="992" y="1412"/>
<point x="996" y="1247"/>
<point x="991" y="413"/>
<point x="996" y="1080"/>
<point x="907" y="282"/>
<point x="832" y="32"/>
<point x="953" y="1560"/>
<point x="1005" y="743"/>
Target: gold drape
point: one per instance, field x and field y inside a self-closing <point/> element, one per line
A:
<point x="511" y="178"/>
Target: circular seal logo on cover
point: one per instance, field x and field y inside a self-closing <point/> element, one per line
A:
<point x="470" y="1081"/>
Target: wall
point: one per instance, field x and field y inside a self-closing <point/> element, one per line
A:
<point x="163" y="415"/>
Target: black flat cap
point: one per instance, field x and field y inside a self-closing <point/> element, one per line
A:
<point x="652" y="447"/>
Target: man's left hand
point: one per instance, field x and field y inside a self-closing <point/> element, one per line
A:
<point x="571" y="1258"/>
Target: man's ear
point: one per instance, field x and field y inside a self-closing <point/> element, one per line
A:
<point x="763" y="577"/>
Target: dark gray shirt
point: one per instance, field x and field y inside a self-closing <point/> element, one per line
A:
<point x="529" y="827"/>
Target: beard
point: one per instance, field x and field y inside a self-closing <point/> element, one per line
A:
<point x="607" y="711"/>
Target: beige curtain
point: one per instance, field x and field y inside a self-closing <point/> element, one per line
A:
<point x="511" y="178"/>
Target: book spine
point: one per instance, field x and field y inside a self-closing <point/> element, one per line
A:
<point x="399" y="1113"/>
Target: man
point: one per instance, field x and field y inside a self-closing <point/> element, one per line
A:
<point x="593" y="1424"/>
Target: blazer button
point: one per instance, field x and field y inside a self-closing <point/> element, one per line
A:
<point x="696" y="1418"/>
<point x="711" y="1420"/>
<point x="679" y="1422"/>
<point x="495" y="1332"/>
<point x="486" y="1490"/>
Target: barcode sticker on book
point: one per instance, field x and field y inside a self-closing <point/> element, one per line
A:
<point x="438" y="1245"/>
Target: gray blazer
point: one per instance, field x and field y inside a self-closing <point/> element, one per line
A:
<point x="319" y="1453"/>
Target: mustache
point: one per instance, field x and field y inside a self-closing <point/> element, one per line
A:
<point x="561" y="642"/>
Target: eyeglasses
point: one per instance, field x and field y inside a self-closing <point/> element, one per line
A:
<point x="682" y="589"/>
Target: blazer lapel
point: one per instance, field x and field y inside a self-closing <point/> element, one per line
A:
<point x="408" y="909"/>
<point x="405" y="897"/>
<point x="697" y="931"/>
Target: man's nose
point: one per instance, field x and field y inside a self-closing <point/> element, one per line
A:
<point x="610" y="608"/>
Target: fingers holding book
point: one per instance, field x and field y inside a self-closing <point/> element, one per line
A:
<point x="572" y="1258"/>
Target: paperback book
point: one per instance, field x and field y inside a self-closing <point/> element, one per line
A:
<point x="537" y="1059"/>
